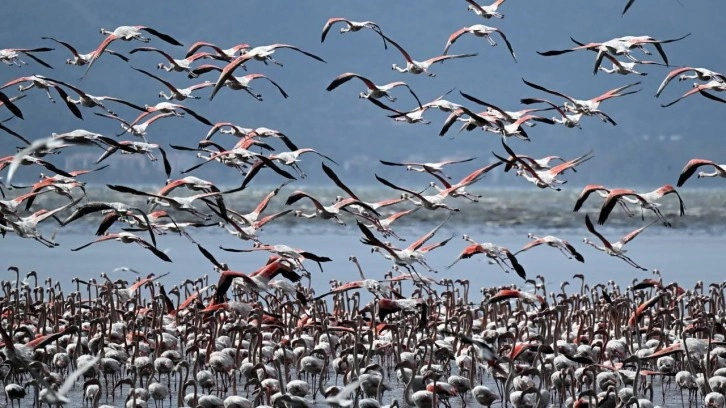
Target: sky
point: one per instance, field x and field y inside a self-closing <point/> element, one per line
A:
<point x="648" y="147"/>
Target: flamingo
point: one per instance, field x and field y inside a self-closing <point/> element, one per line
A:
<point x="177" y="203"/>
<point x="419" y="67"/>
<point x="91" y="101"/>
<point x="603" y="192"/>
<point x="168" y="107"/>
<point x="177" y="65"/>
<point x="239" y="131"/>
<point x="703" y="74"/>
<point x="414" y="253"/>
<point x="226" y="54"/>
<point x="243" y="83"/>
<point x="27" y="227"/>
<point x="291" y="158"/>
<point x="498" y="254"/>
<point x="11" y="56"/>
<point x="589" y="106"/>
<point x="134" y="147"/>
<point x="44" y="83"/>
<point x="351" y="27"/>
<point x="625" y="68"/>
<point x="82" y="59"/>
<point x="412" y="116"/>
<point x="264" y="53"/>
<point x="374" y="91"/>
<point x="713" y="85"/>
<point x="127" y="33"/>
<point x="565" y="247"/>
<point x="176" y="93"/>
<point x="326" y="212"/>
<point x="137" y="129"/>
<point x="719" y="170"/>
<point x="545" y="178"/>
<point x="479" y="30"/>
<point x="485" y="11"/>
<point x="128" y="238"/>
<point x="428" y="167"/>
<point x="615" y="249"/>
<point x="459" y="189"/>
<point x="507" y="123"/>
<point x="647" y="201"/>
<point x="429" y="202"/>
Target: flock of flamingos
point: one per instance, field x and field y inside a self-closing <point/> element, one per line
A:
<point x="262" y="336"/>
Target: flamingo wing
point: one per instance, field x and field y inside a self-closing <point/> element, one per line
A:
<point x="7" y="102"/>
<point x="162" y="36"/>
<point x="690" y="168"/>
<point x="592" y="230"/>
<point x="453" y="37"/>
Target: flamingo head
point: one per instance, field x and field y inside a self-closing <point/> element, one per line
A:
<point x="530" y="235"/>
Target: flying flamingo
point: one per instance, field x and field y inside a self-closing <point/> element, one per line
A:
<point x="547" y="177"/>
<point x="351" y="27"/>
<point x="406" y="257"/>
<point x="625" y="68"/>
<point x="565" y="247"/>
<point x="292" y="158"/>
<point x="177" y="203"/>
<point x="176" y="93"/>
<point x="690" y="169"/>
<point x="485" y="11"/>
<point x="82" y="59"/>
<point x="614" y="249"/>
<point x="479" y="30"/>
<point x="713" y="85"/>
<point x="294" y="255"/>
<point x="374" y="91"/>
<point x="134" y="147"/>
<point x="168" y="107"/>
<point x="497" y="254"/>
<point x="261" y="53"/>
<point x="225" y="54"/>
<point x="589" y="106"/>
<point x="603" y="192"/>
<point x="242" y="132"/>
<point x="647" y="201"/>
<point x="419" y="67"/>
<point x="177" y="65"/>
<point x="11" y="56"/>
<point x="44" y="83"/>
<point x="138" y="129"/>
<point x="264" y="53"/>
<point x="326" y="212"/>
<point x="127" y="33"/>
<point x="506" y="294"/>
<point x="243" y="83"/>
<point x="27" y="227"/>
<point x="128" y="238"/>
<point x="91" y="101"/>
<point x="429" y="202"/>
<point x="459" y="189"/>
<point x="507" y="123"/>
<point x="428" y="167"/>
<point x="702" y="74"/>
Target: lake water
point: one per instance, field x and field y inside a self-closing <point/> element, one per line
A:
<point x="690" y="251"/>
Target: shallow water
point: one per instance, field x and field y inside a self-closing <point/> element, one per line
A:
<point x="688" y="252"/>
